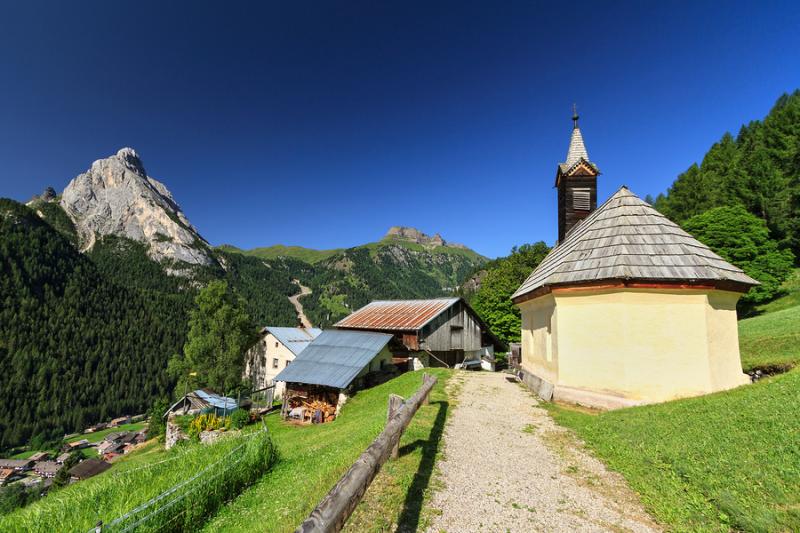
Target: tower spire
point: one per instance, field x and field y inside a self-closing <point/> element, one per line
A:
<point x="575" y="116"/>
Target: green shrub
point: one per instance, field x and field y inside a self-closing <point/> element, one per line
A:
<point x="743" y="239"/>
<point x="240" y="418"/>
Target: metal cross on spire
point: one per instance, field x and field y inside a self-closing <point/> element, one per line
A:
<point x="575" y="116"/>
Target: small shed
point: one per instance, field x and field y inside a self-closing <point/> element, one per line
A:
<point x="47" y="469"/>
<point x="8" y="475"/>
<point x="438" y="331"/>
<point x="61" y="459"/>
<point x="88" y="468"/>
<point x="18" y="465"/>
<point x="202" y="401"/>
<point x="39" y="456"/>
<point x="335" y="364"/>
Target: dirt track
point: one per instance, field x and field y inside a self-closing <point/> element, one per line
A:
<point x="509" y="467"/>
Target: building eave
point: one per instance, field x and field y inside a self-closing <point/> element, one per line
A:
<point x="616" y="284"/>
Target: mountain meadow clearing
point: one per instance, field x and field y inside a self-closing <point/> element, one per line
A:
<point x="269" y="478"/>
<point x="727" y="461"/>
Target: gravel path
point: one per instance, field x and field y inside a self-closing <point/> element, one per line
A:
<point x="509" y="467"/>
<point x="301" y="315"/>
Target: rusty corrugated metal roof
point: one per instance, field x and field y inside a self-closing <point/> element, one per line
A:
<point x="398" y="315"/>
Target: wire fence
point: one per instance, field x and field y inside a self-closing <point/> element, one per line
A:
<point x="187" y="503"/>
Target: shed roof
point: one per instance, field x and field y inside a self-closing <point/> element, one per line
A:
<point x="215" y="400"/>
<point x="334" y="358"/>
<point x="47" y="467"/>
<point x="15" y="463"/>
<point x="626" y="239"/>
<point x="295" y="339"/>
<point x="88" y="468"/>
<point x="399" y="315"/>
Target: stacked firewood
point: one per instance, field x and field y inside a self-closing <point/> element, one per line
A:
<point x="326" y="410"/>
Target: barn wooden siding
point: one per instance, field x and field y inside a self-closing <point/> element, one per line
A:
<point x="454" y="329"/>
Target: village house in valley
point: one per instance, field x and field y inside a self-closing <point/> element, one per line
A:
<point x="331" y="368"/>
<point x="628" y="308"/>
<point x="434" y="332"/>
<point x="277" y="347"/>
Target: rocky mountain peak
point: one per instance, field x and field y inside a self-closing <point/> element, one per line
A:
<point x="131" y="160"/>
<point x="414" y="235"/>
<point x="117" y="197"/>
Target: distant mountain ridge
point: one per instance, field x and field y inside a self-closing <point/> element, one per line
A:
<point x="405" y="236"/>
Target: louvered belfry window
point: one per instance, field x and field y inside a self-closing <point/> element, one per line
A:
<point x="581" y="199"/>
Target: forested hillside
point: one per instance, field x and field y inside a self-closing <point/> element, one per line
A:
<point x="384" y="270"/>
<point x="75" y="347"/>
<point x="85" y="337"/>
<point x="759" y="169"/>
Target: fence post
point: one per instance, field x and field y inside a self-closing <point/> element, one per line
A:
<point x="395" y="403"/>
<point x="425" y="379"/>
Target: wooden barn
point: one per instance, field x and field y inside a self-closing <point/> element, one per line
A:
<point x="435" y="332"/>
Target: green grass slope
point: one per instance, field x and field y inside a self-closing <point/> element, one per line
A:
<point x="312" y="458"/>
<point x="727" y="461"/>
<point x="790" y="298"/>
<point x="309" y="255"/>
<point x="771" y="340"/>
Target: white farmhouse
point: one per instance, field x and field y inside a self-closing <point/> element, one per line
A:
<point x="277" y="347"/>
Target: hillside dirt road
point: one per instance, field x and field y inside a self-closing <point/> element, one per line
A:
<point x="509" y="467"/>
<point x="304" y="291"/>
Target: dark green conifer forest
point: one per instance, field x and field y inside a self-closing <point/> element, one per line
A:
<point x="75" y="347"/>
<point x="758" y="169"/>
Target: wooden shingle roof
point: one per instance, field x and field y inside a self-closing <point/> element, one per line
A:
<point x="626" y="239"/>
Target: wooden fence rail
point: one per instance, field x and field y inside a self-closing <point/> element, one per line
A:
<point x="337" y="506"/>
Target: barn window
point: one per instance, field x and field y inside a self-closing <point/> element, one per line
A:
<point x="581" y="199"/>
<point x="275" y="362"/>
<point x="276" y="344"/>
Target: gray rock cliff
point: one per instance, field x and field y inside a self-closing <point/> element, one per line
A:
<point x="404" y="233"/>
<point x="117" y="197"/>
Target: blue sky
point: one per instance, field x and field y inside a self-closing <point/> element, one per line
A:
<point x="323" y="123"/>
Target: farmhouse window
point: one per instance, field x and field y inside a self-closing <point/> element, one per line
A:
<point x="581" y="199"/>
<point x="275" y="362"/>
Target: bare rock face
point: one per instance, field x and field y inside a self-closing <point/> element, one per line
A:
<point x="117" y="197"/>
<point x="404" y="233"/>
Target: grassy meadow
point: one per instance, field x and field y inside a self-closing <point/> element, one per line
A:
<point x="313" y="458"/>
<point x="771" y="340"/>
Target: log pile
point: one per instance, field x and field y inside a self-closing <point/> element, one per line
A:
<point x="319" y="406"/>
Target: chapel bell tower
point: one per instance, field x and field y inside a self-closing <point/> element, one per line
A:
<point x="576" y="181"/>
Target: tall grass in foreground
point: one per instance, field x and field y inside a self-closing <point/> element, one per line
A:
<point x="727" y="461"/>
<point x="173" y="491"/>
